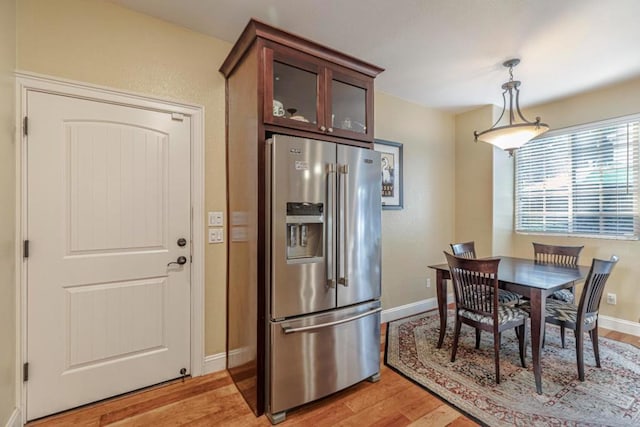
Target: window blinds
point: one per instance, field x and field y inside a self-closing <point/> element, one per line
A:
<point x="581" y="181"/>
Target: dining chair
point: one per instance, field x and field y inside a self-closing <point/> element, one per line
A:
<point x="560" y="255"/>
<point x="464" y="249"/>
<point x="468" y="250"/>
<point x="583" y="317"/>
<point x="475" y="285"/>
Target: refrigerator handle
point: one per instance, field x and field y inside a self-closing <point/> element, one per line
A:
<point x="289" y="330"/>
<point x="329" y="228"/>
<point x="344" y="226"/>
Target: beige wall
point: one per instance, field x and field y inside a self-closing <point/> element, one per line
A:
<point x="473" y="181"/>
<point x="102" y="43"/>
<point x="613" y="101"/>
<point x="414" y="237"/>
<point x="490" y="193"/>
<point x="7" y="209"/>
<point x="503" y="187"/>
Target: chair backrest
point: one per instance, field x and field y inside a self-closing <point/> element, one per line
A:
<point x="594" y="286"/>
<point x="464" y="250"/>
<point x="475" y="284"/>
<point x="553" y="254"/>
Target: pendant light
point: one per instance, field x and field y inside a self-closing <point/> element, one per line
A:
<point x="519" y="131"/>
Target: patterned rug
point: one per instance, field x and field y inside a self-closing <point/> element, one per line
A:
<point x="609" y="397"/>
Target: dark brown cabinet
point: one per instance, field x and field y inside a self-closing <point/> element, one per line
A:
<point x="304" y="87"/>
<point x="304" y="92"/>
<point x="276" y="83"/>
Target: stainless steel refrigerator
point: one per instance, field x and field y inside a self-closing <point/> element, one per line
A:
<point x="323" y="288"/>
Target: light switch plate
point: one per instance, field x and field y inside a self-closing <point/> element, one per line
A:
<point x="216" y="235"/>
<point x="216" y="219"/>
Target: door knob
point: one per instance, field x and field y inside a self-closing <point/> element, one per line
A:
<point x="180" y="261"/>
<point x="182" y="242"/>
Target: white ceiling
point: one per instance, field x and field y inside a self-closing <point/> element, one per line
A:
<point x="446" y="54"/>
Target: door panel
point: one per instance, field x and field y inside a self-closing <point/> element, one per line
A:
<point x="108" y="197"/>
<point x="96" y="330"/>
<point x="301" y="276"/>
<point x="118" y="182"/>
<point x="359" y="239"/>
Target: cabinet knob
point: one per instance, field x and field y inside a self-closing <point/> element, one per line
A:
<point x="330" y="130"/>
<point x="322" y="128"/>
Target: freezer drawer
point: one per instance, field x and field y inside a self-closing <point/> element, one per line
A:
<point x="315" y="356"/>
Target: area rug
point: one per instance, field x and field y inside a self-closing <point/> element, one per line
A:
<point x="610" y="396"/>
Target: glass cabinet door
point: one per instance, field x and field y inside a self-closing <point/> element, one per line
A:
<point x="306" y="93"/>
<point x="291" y="94"/>
<point x="351" y="106"/>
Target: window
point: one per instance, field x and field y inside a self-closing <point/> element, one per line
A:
<point x="581" y="181"/>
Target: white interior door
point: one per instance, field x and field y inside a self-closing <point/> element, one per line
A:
<point x="108" y="198"/>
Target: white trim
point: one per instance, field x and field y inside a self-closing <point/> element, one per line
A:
<point x="215" y="363"/>
<point x="36" y="82"/>
<point x="51" y="84"/>
<point x="619" y="325"/>
<point x="15" y="419"/>
<point x="410" y="309"/>
<point x="238" y="356"/>
<point x="197" y="242"/>
<point x="607" y="322"/>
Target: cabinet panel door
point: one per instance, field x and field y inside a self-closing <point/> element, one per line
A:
<point x="349" y="105"/>
<point x="292" y="89"/>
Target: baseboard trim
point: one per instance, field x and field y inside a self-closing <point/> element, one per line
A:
<point x="619" y="325"/>
<point x="410" y="309"/>
<point x="15" y="420"/>
<point x="613" y="323"/>
<point x="214" y="363"/>
<point x="218" y="362"/>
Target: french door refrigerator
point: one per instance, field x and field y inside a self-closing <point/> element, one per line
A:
<point x="323" y="287"/>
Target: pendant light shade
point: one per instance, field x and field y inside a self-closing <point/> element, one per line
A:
<point x="519" y="131"/>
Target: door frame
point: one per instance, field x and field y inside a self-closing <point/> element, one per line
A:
<point x="26" y="82"/>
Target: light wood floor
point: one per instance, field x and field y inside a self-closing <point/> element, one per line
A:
<point x="213" y="400"/>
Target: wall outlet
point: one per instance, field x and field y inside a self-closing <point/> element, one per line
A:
<point x="428" y="282"/>
<point x="611" y="299"/>
<point x="216" y="235"/>
<point x="216" y="219"/>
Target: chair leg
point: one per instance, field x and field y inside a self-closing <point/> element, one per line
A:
<point x="496" y="351"/>
<point x="456" y="336"/>
<point x="594" y="339"/>
<point x="477" y="338"/>
<point x="562" y="335"/>
<point x="522" y="341"/>
<point x="580" y="353"/>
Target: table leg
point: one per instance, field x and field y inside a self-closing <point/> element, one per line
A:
<point x="441" y="292"/>
<point x="538" y="311"/>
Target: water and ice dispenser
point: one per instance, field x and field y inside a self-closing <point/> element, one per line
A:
<point x="305" y="231"/>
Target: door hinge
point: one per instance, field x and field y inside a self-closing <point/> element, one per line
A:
<point x="25" y="372"/>
<point x="25" y="249"/>
<point x="25" y="125"/>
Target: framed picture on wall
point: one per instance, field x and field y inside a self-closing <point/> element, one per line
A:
<point x="391" y="171"/>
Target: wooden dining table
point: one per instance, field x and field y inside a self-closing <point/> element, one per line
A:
<point x="526" y="277"/>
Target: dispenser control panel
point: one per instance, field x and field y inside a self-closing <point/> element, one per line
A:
<point x="305" y="231"/>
